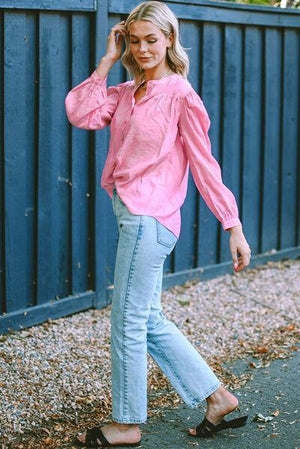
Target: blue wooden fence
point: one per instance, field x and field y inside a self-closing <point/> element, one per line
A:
<point x="58" y="232"/>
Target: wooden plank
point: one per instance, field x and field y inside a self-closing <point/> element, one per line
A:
<point x="31" y="316"/>
<point x="219" y="269"/>
<point x="184" y="253"/>
<point x="222" y="13"/>
<point x="209" y="226"/>
<point x="227" y="5"/>
<point x="102" y="202"/>
<point x="116" y="75"/>
<point x="80" y="190"/>
<point x="54" y="183"/>
<point x="19" y="102"/>
<point x="290" y="139"/>
<point x="271" y="139"/>
<point x="252" y="128"/>
<point x="2" y="168"/>
<point x="66" y="5"/>
<point x="231" y="126"/>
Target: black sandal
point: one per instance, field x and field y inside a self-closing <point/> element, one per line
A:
<point x="96" y="433"/>
<point x="208" y="429"/>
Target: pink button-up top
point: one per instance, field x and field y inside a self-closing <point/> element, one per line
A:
<point x="153" y="143"/>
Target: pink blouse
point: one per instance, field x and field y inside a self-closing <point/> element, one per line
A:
<point x="153" y="143"/>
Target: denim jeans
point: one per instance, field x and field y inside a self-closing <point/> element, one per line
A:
<point x="138" y="324"/>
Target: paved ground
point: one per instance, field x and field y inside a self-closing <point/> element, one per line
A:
<point x="273" y="388"/>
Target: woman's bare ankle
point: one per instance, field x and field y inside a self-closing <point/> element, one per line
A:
<point x="125" y="426"/>
<point x="222" y="395"/>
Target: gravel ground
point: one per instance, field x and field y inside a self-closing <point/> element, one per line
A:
<point x="55" y="377"/>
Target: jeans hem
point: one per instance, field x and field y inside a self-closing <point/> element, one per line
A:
<point x="129" y="421"/>
<point x="197" y="402"/>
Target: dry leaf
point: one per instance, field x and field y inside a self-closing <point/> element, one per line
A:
<point x="261" y="418"/>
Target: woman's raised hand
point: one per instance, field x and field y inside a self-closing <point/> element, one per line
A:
<point x="114" y="46"/>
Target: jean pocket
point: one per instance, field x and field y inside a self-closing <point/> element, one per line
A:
<point x="164" y="235"/>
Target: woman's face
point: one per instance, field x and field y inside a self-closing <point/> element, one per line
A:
<point x="148" y="44"/>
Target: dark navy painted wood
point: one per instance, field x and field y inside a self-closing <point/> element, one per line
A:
<point x="252" y="137"/>
<point x="54" y="174"/>
<point x="51" y="310"/>
<point x="222" y="12"/>
<point x="290" y="139"/>
<point x="272" y="48"/>
<point x="222" y="4"/>
<point x="212" y="271"/>
<point x="67" y="5"/>
<point x="185" y="249"/>
<point x="2" y="170"/>
<point x="115" y="76"/>
<point x="102" y="202"/>
<point x="231" y="122"/>
<point x="81" y="162"/>
<point x="16" y="142"/>
<point x="211" y="91"/>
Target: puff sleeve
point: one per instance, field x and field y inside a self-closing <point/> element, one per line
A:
<point x="193" y="126"/>
<point x="90" y="104"/>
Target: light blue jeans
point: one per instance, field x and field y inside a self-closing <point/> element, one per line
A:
<point x="138" y="324"/>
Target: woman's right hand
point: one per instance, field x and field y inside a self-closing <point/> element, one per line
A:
<point x="114" y="46"/>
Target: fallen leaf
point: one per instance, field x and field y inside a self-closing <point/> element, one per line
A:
<point x="261" y="418"/>
<point x="262" y="350"/>
<point x="276" y="413"/>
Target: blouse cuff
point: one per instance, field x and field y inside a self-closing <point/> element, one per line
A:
<point x="230" y="223"/>
<point x="95" y="77"/>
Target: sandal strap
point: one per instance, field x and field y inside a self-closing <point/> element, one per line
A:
<point x="92" y="435"/>
<point x="206" y="428"/>
<point x="233" y="423"/>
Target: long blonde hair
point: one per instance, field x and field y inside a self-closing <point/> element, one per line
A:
<point x="160" y="15"/>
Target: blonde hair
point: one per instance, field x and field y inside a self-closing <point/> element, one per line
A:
<point x="160" y="15"/>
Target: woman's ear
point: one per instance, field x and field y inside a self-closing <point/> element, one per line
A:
<point x="171" y="39"/>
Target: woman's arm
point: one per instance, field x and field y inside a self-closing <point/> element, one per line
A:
<point x="193" y="125"/>
<point x="90" y="104"/>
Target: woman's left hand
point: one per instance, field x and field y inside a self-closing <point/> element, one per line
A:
<point x="238" y="245"/>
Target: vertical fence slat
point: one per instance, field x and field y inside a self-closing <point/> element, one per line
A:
<point x="81" y="202"/>
<point x="102" y="201"/>
<point x="54" y="160"/>
<point x="271" y="142"/>
<point x="232" y="119"/>
<point x="252" y="136"/>
<point x="116" y="75"/>
<point x="209" y="226"/>
<point x="17" y="135"/>
<point x="290" y="142"/>
<point x="2" y="223"/>
<point x="185" y="248"/>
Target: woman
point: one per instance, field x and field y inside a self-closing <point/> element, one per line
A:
<point x="159" y="128"/>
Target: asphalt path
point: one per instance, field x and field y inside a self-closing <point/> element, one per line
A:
<point x="273" y="394"/>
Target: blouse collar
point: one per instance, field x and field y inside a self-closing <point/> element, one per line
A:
<point x="158" y="82"/>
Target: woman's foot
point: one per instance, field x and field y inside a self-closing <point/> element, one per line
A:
<point x="117" y="433"/>
<point x="219" y="404"/>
